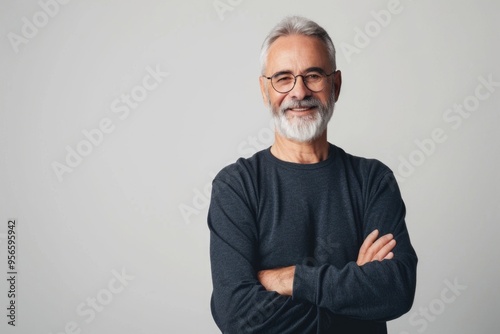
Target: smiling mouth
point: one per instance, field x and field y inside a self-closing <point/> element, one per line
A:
<point x="300" y="109"/>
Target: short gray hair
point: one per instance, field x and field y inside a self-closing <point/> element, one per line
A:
<point x="297" y="25"/>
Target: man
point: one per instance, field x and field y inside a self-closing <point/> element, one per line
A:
<point x="305" y="238"/>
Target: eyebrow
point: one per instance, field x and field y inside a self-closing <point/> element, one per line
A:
<point x="315" y="69"/>
<point x="309" y="69"/>
<point x="282" y="72"/>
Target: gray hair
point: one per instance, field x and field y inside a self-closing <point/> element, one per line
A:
<point x="297" y="25"/>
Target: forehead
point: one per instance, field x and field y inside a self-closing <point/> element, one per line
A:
<point x="297" y="53"/>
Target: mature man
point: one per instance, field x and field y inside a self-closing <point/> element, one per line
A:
<point x="305" y="238"/>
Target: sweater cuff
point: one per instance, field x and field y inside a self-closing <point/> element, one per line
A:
<point x="305" y="284"/>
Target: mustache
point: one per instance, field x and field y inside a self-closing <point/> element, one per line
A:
<point x="308" y="103"/>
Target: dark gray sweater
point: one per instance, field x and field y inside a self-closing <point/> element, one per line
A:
<point x="266" y="213"/>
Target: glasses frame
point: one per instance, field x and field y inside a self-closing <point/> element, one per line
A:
<point x="295" y="81"/>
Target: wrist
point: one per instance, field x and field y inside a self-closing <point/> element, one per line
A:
<point x="286" y="280"/>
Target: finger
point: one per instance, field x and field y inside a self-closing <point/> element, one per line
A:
<point x="385" y="250"/>
<point x="389" y="256"/>
<point x="372" y="252"/>
<point x="368" y="241"/>
<point x="380" y="243"/>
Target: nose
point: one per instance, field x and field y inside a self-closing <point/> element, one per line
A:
<point x="300" y="90"/>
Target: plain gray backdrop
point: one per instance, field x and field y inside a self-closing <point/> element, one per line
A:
<point x="115" y="116"/>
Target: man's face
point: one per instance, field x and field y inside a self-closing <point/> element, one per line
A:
<point x="301" y="114"/>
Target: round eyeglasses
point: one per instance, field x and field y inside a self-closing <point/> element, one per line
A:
<point x="284" y="82"/>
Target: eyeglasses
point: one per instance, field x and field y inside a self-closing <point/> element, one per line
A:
<point x="284" y="82"/>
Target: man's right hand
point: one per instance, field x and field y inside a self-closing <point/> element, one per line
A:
<point x="374" y="249"/>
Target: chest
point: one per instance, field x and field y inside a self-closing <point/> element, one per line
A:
<point x="308" y="223"/>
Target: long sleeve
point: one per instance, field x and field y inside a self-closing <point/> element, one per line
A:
<point x="379" y="290"/>
<point x="265" y="213"/>
<point x="240" y="304"/>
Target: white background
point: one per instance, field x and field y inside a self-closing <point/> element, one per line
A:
<point x="121" y="208"/>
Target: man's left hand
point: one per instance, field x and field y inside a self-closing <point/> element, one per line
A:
<point x="279" y="280"/>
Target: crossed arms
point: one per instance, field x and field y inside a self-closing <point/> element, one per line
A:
<point x="372" y="249"/>
<point x="378" y="286"/>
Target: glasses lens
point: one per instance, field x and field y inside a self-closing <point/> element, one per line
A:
<point x="283" y="82"/>
<point x="314" y="81"/>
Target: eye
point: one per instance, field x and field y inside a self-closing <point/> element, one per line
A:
<point x="283" y="78"/>
<point x="313" y="76"/>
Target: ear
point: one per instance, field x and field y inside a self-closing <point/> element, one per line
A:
<point x="337" y="83"/>
<point x="263" y="89"/>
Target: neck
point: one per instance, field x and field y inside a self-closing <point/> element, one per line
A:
<point x="302" y="153"/>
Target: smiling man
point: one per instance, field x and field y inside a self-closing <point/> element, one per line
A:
<point x="304" y="237"/>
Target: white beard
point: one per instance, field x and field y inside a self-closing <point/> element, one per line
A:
<point x="303" y="128"/>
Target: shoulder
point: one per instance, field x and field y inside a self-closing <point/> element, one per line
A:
<point x="370" y="176"/>
<point x="236" y="185"/>
<point x="243" y="171"/>
<point x="367" y="169"/>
